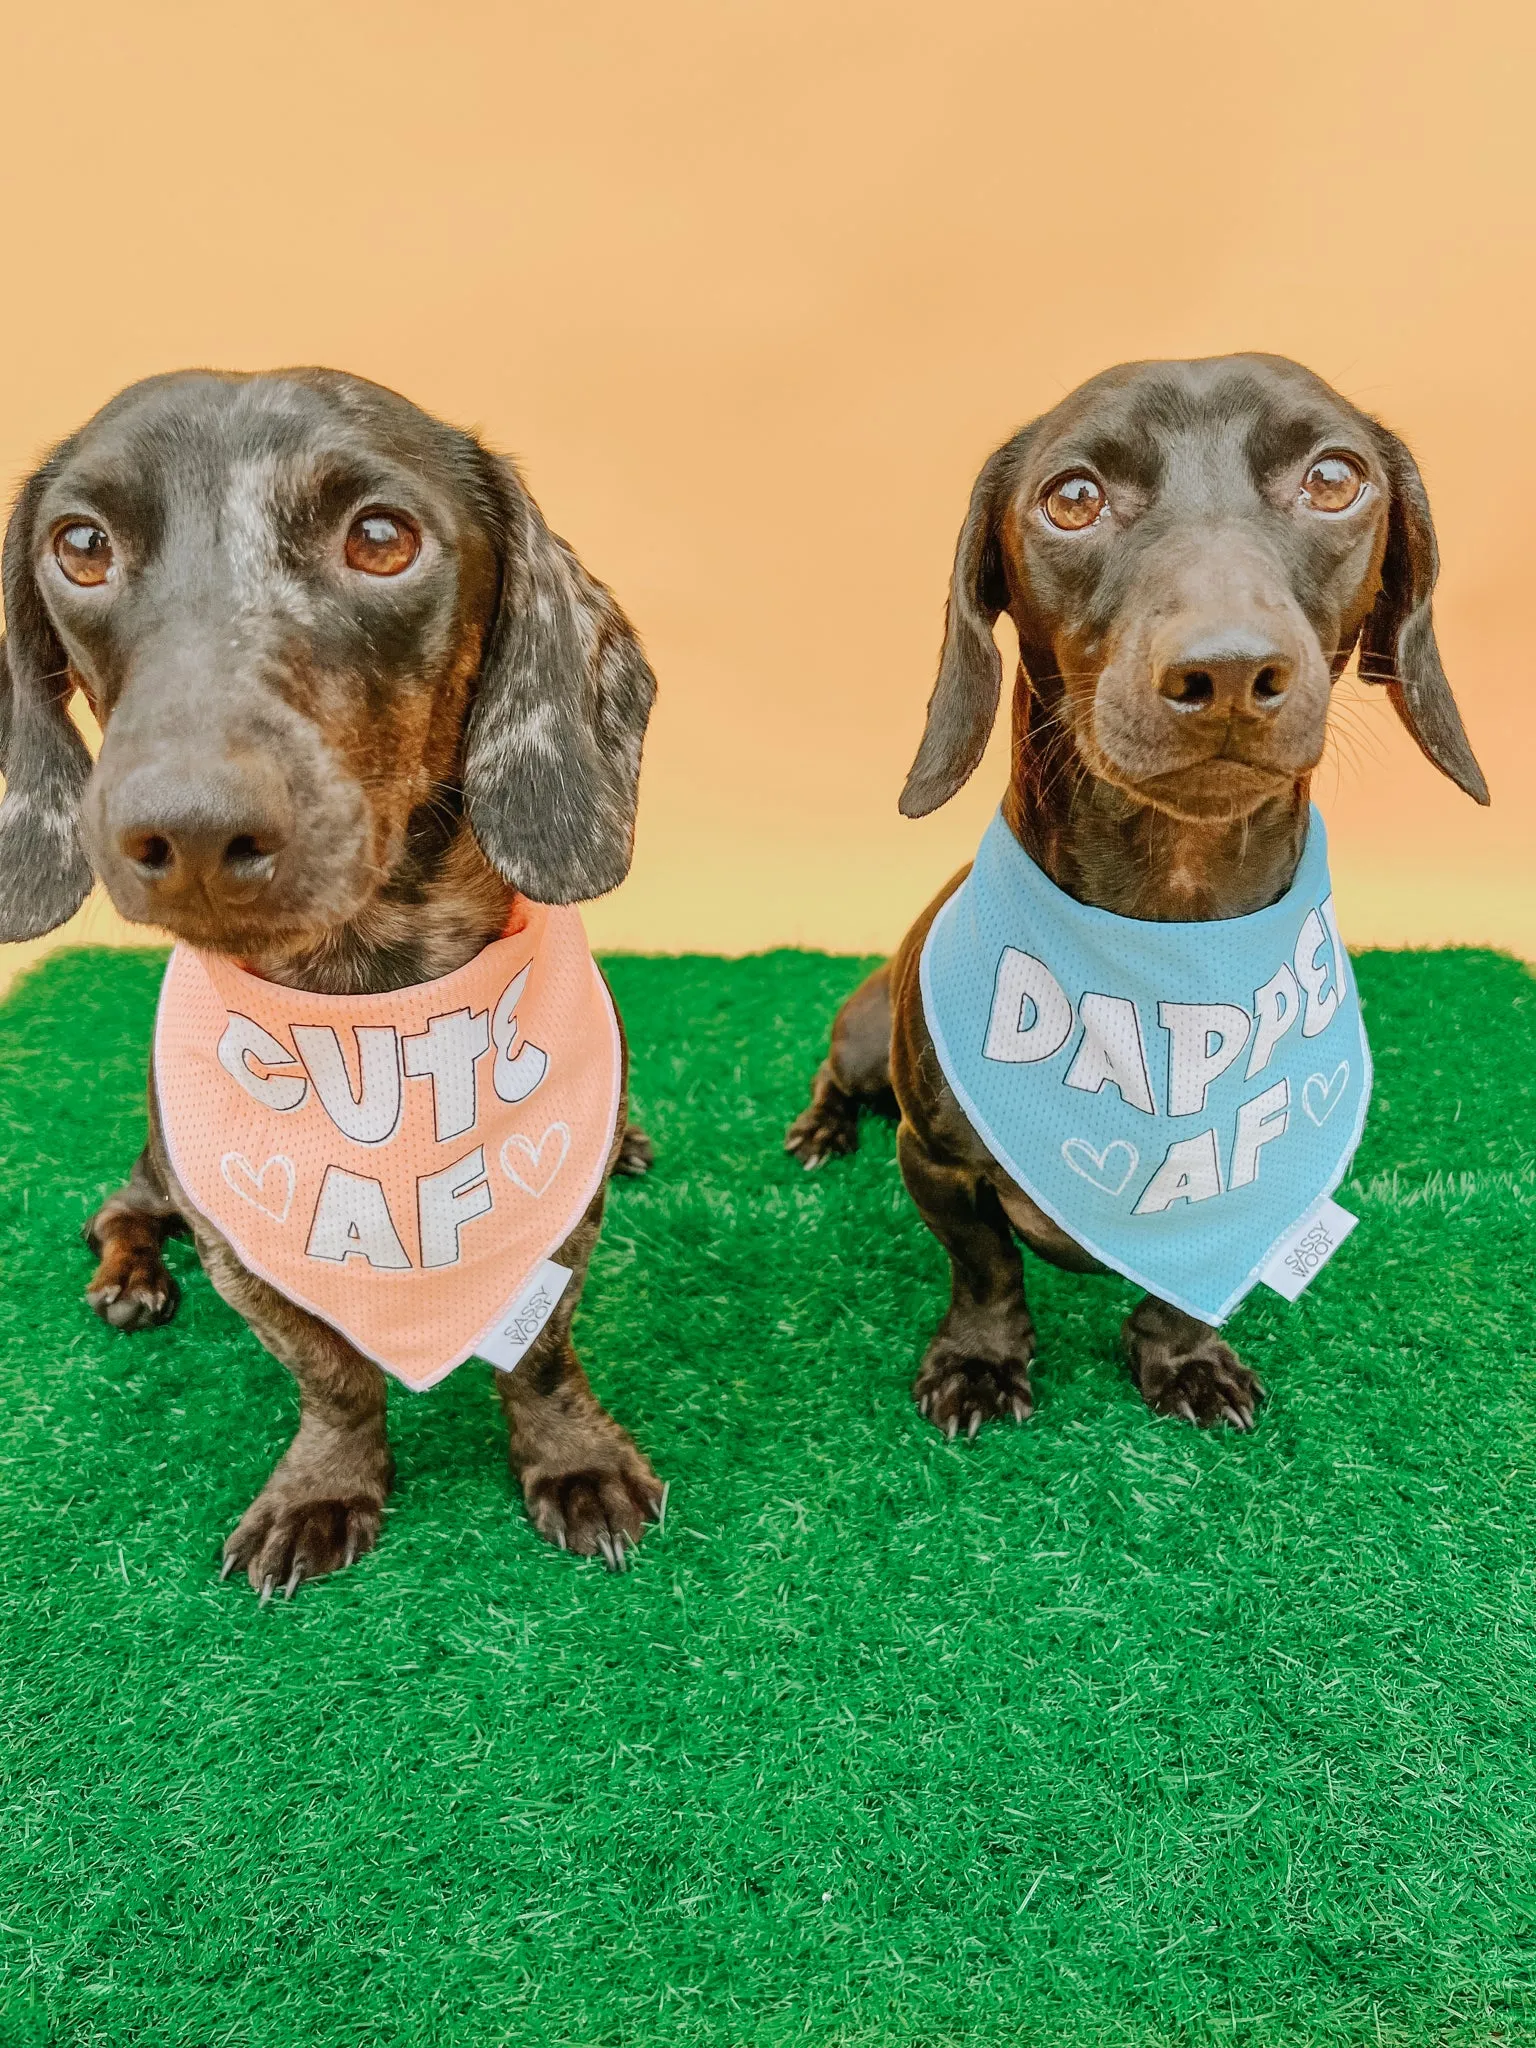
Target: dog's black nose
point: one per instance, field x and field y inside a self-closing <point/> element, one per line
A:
<point x="218" y="836"/>
<point x="1246" y="679"/>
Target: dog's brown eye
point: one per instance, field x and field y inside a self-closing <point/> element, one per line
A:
<point x="1333" y="483"/>
<point x="382" y="544"/>
<point x="1073" y="502"/>
<point x="84" y="553"/>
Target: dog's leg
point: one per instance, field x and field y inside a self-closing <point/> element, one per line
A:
<point x="131" y="1288"/>
<point x="324" y="1502"/>
<point x="1183" y="1368"/>
<point x="977" y="1366"/>
<point x="855" y="1075"/>
<point x="587" y="1486"/>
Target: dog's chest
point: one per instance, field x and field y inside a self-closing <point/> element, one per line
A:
<point x="401" y="1165"/>
<point x="1171" y="1101"/>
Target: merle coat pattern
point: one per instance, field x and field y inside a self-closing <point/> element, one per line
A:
<point x="354" y="694"/>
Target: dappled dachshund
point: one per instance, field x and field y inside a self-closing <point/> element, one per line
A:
<point x="1190" y="553"/>
<point x="364" y="718"/>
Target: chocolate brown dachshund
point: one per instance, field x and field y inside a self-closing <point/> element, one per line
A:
<point x="1190" y="553"/>
<point x="354" y="695"/>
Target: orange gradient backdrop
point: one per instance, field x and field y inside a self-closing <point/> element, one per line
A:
<point x="752" y="289"/>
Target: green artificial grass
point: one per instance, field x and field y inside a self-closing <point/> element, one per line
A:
<point x="1098" y="1731"/>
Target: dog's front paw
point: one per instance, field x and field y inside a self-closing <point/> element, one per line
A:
<point x="1183" y="1368"/>
<point x="596" y="1497"/>
<point x="131" y="1288"/>
<point x="286" y="1537"/>
<point x="958" y="1390"/>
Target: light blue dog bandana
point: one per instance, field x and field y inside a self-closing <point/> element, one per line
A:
<point x="1181" y="1098"/>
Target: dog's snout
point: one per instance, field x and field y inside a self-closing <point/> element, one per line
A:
<point x="1245" y="680"/>
<point x="217" y="836"/>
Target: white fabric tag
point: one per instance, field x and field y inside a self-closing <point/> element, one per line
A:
<point x="521" y="1321"/>
<point x="1308" y="1248"/>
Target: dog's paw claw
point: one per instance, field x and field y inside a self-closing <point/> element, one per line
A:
<point x="1187" y="1371"/>
<point x="636" y="1154"/>
<point x="284" y="1542"/>
<point x="133" y="1294"/>
<point x="600" y="1508"/>
<point x="827" y="1130"/>
<point x="955" y="1391"/>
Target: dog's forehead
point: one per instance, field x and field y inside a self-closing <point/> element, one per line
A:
<point x="1238" y="417"/>
<point x="195" y="444"/>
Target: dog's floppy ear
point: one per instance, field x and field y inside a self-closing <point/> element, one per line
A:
<point x="44" y="875"/>
<point x="552" y="748"/>
<point x="1397" y="643"/>
<point x="964" y="701"/>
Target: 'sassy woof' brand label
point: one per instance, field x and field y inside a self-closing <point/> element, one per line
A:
<point x="1297" y="1259"/>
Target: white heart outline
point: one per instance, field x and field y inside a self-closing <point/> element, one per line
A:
<point x="535" y="1153"/>
<point x="258" y="1181"/>
<point x="1326" y="1083"/>
<point x="1068" y="1145"/>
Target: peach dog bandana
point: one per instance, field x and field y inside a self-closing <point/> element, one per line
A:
<point x="402" y="1165"/>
